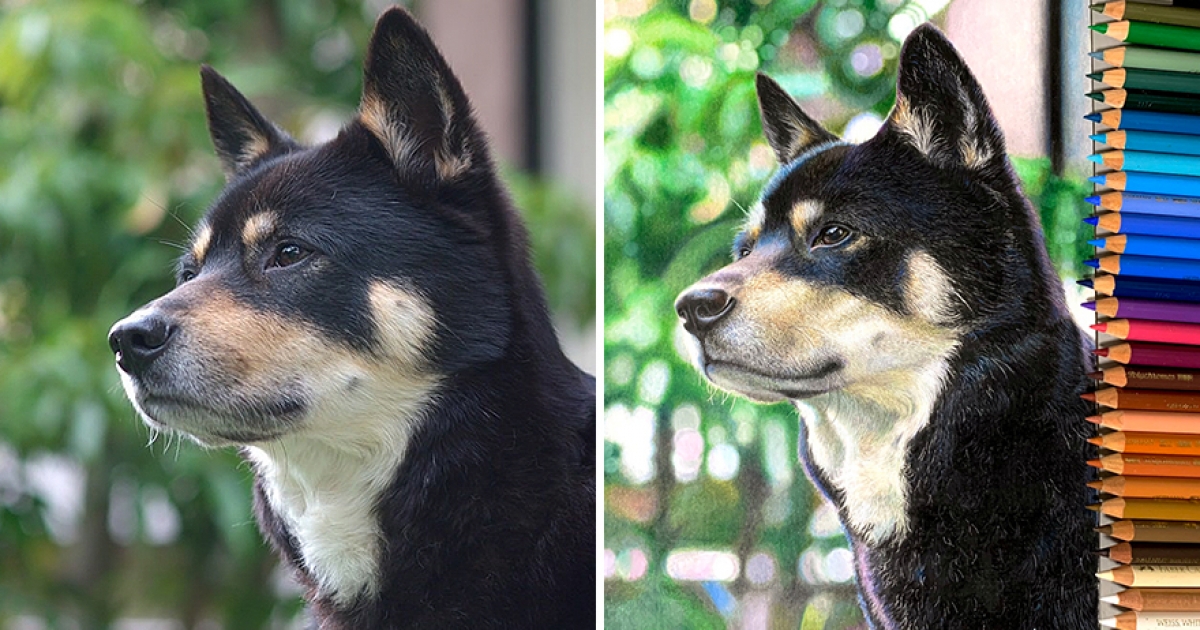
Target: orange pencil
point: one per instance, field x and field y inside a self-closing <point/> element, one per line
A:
<point x="1156" y="599"/>
<point x="1151" y="509"/>
<point x="1148" y="487"/>
<point x="1148" y="421"/>
<point x="1149" y="378"/>
<point x="1151" y="330"/>
<point x="1145" y="399"/>
<point x="1149" y="443"/>
<point x="1149" y="465"/>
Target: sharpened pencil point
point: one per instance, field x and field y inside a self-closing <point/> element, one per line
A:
<point x="1094" y="508"/>
<point x="1095" y="463"/>
<point x="1096" y="96"/>
<point x="1096" y="441"/>
<point x="1092" y="220"/>
<point x="1101" y="28"/>
<point x="1094" y="419"/>
<point x="1088" y="396"/>
<point x="1094" y="200"/>
<point x="1095" y="76"/>
<point x="1095" y="376"/>
<point x="1099" y="327"/>
<point x="1097" y="54"/>
<point x="1097" y="179"/>
<point x="1097" y="242"/>
<point x="1086" y="282"/>
<point x="1093" y="117"/>
<point x="1096" y="485"/>
<point x="1110" y="599"/>
<point x="1096" y="157"/>
<point x="1100" y="352"/>
<point x="1091" y="306"/>
<point x="1094" y="263"/>
<point x="1098" y="138"/>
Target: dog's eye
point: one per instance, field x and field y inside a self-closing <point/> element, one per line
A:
<point x="288" y="254"/>
<point x="186" y="275"/>
<point x="741" y="252"/>
<point x="832" y="236"/>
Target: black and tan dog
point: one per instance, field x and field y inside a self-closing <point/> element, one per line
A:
<point x="900" y="288"/>
<point x="362" y="320"/>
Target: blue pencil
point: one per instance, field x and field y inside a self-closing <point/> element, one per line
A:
<point x="1150" y="141"/>
<point x="1147" y="266"/>
<point x="1147" y="121"/>
<point x="1157" y="183"/>
<point x="1146" y="288"/>
<point x="1147" y="162"/>
<point x="1147" y="204"/>
<point x="1147" y="224"/>
<point x="1143" y="245"/>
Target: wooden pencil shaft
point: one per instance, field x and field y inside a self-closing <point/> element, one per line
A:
<point x="1154" y="553"/>
<point x="1152" y="509"/>
<point x="1148" y="288"/>
<point x="1155" y="141"/>
<point x="1155" y="575"/>
<point x="1154" y="58"/>
<point x="1148" y="399"/>
<point x="1152" y="378"/>
<point x="1158" y="599"/>
<point x="1152" y="465"/>
<point x="1150" y="421"/>
<point x="1154" y="531"/>
<point x="1144" y="443"/>
<point x="1148" y="121"/>
<point x="1131" y="223"/>
<point x="1156" y="101"/>
<point x="1157" y="14"/>
<point x="1152" y="330"/>
<point x="1152" y="621"/>
<point x="1149" y="79"/>
<point x="1163" y="35"/>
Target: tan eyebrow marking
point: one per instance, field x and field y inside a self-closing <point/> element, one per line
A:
<point x="257" y="228"/>
<point x="804" y="214"/>
<point x="754" y="221"/>
<point x="201" y="242"/>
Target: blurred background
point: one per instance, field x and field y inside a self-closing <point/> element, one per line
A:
<point x="709" y="519"/>
<point x="104" y="162"/>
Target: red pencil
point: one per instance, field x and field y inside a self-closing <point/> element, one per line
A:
<point x="1151" y="330"/>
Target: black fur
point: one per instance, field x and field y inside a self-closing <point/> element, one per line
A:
<point x="998" y="534"/>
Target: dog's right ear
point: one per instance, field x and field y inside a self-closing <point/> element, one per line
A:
<point x="789" y="130"/>
<point x="241" y="135"/>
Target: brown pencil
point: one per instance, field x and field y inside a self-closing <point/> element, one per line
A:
<point x="1138" y="443"/>
<point x="1148" y="421"/>
<point x="1129" y="553"/>
<point x="1149" y="378"/>
<point x="1153" y="531"/>
<point x="1151" y="509"/>
<point x="1148" y="487"/>
<point x="1149" y="465"/>
<point x="1152" y="620"/>
<point x="1154" y="575"/>
<point x="1121" y="10"/>
<point x="1145" y="399"/>
<point x="1156" y="599"/>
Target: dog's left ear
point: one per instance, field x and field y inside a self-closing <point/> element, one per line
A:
<point x="940" y="108"/>
<point x="414" y="105"/>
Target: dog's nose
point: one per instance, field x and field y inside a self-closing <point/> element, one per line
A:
<point x="138" y="341"/>
<point x="701" y="309"/>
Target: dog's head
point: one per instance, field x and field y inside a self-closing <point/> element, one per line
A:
<point x="860" y="261"/>
<point x="330" y="280"/>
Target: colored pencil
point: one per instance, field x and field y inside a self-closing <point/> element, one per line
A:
<point x="1147" y="288"/>
<point x="1154" y="575"/>
<point x="1141" y="57"/>
<point x="1145" y="399"/>
<point x="1167" y="102"/>
<point x="1127" y="553"/>
<point x="1149" y="378"/>
<point x="1147" y="266"/>
<point x="1149" y="488"/>
<point x="1156" y="354"/>
<point x="1192" y="4"/>
<point x="1149" y="465"/>
<point x="1150" y="140"/>
<point x="1155" y="183"/>
<point x="1151" y="509"/>
<point x="1149" y="443"/>
<point x="1153" y="531"/>
<point x="1162" y="35"/>
<point x="1147" y="121"/>
<point x="1121" y="10"/>
<point x="1151" y="330"/>
<point x="1152" y="620"/>
<point x="1145" y="245"/>
<point x="1148" y="421"/>
<point x="1156" y="599"/>
<point x="1147" y="224"/>
<point x="1147" y="79"/>
<point x="1148" y="162"/>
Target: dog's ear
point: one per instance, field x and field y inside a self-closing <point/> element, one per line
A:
<point x="241" y="135"/>
<point x="789" y="130"/>
<point x="414" y="105"/>
<point x="940" y="108"/>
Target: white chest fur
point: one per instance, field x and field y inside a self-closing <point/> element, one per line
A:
<point x="859" y="438"/>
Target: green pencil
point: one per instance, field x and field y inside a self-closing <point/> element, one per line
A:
<point x="1121" y="10"/>
<point x="1164" y="35"/>
<point x="1148" y="101"/>
<point x="1155" y="58"/>
<point x="1143" y="79"/>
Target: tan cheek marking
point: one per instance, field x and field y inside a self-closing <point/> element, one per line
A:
<point x="201" y="242"/>
<point x="803" y="215"/>
<point x="258" y="228"/>
<point x="404" y="322"/>
<point x="928" y="291"/>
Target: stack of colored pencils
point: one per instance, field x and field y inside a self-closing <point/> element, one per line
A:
<point x="1147" y="302"/>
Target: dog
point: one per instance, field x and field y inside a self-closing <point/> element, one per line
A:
<point x="361" y="320"/>
<point x="898" y="292"/>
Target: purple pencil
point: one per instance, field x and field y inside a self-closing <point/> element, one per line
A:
<point x="1146" y="309"/>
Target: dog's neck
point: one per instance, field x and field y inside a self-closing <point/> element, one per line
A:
<point x="857" y="437"/>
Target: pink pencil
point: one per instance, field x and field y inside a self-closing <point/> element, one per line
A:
<point x="1151" y="330"/>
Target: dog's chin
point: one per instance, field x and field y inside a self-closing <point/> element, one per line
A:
<point x="771" y="388"/>
<point x="211" y="427"/>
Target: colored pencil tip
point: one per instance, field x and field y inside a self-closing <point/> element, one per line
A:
<point x="1086" y="282"/>
<point x="1094" y="117"/>
<point x="1094" y="419"/>
<point x="1110" y="599"/>
<point x="1096" y="96"/>
<point x="1100" y="28"/>
<point x="1092" y="220"/>
<point x="1094" y="263"/>
<point x="1096" y="485"/>
<point x="1096" y="55"/>
<point x="1095" y="76"/>
<point x="1099" y="327"/>
<point x="1097" y="441"/>
<point x="1100" y="352"/>
<point x="1095" y="463"/>
<point x="1088" y="396"/>
<point x="1096" y="242"/>
<point x="1096" y="179"/>
<point x="1098" y="138"/>
<point x="1091" y="306"/>
<point x="1096" y="157"/>
<point x="1095" y="376"/>
<point x="1094" y="508"/>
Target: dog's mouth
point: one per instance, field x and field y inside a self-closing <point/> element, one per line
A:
<point x="214" y="423"/>
<point x="762" y="386"/>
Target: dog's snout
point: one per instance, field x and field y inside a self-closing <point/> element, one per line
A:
<point x="139" y="340"/>
<point x="702" y="308"/>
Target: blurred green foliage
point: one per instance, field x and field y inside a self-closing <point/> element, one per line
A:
<point x="685" y="157"/>
<point x="106" y="163"/>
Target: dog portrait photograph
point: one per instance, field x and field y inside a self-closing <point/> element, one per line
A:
<point x="842" y="381"/>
